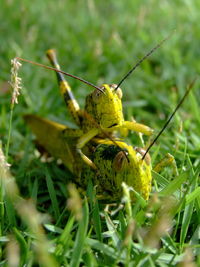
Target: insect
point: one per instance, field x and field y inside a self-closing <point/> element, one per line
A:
<point x="107" y="160"/>
<point x="115" y="162"/>
<point x="104" y="159"/>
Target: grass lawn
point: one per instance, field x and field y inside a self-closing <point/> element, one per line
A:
<point x="100" y="41"/>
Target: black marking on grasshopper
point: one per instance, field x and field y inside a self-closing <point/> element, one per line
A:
<point x="109" y="152"/>
<point x="115" y="124"/>
<point x="68" y="96"/>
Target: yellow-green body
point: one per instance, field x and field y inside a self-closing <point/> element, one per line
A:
<point x="85" y="151"/>
<point x="117" y="164"/>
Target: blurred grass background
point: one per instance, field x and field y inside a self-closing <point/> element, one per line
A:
<point x="100" y="41"/>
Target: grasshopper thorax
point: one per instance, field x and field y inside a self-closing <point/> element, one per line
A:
<point x="105" y="107"/>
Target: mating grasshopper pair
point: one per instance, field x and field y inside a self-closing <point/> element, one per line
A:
<point x="94" y="152"/>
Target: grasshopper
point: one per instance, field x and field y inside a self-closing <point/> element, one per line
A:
<point x="108" y="161"/>
<point x="102" y="116"/>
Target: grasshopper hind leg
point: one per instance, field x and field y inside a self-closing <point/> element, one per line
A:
<point x="65" y="89"/>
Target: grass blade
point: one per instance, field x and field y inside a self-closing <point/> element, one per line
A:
<point x="80" y="237"/>
<point x="52" y="194"/>
<point x="174" y="185"/>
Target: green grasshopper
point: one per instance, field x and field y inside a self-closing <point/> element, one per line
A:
<point x="102" y="116"/>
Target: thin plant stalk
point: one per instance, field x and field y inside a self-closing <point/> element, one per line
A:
<point x="9" y="132"/>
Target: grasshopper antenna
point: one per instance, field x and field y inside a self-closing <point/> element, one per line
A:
<point x="63" y="72"/>
<point x="170" y="118"/>
<point x="142" y="59"/>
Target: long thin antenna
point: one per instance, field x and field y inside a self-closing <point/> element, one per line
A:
<point x="63" y="72"/>
<point x="142" y="59"/>
<point x="170" y="118"/>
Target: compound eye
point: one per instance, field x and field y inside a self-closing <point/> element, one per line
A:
<point x="96" y="95"/>
<point x="118" y="91"/>
<point x="120" y="161"/>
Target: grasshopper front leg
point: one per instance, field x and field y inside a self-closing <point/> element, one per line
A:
<point x="134" y="126"/>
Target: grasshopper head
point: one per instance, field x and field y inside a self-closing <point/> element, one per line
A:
<point x="122" y="163"/>
<point x="135" y="172"/>
<point x="106" y="106"/>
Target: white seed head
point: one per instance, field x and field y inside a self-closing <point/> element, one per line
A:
<point x="15" y="81"/>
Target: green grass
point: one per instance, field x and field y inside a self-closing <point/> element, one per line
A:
<point x="100" y="41"/>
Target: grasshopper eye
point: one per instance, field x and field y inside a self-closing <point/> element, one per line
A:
<point x="118" y="91"/>
<point x="120" y="161"/>
<point x="96" y="95"/>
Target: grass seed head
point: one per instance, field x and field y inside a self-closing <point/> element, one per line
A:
<point x="15" y="81"/>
